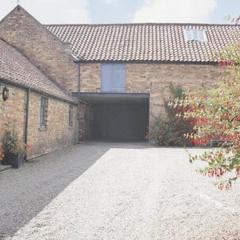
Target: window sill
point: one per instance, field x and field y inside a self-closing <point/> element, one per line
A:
<point x="113" y="91"/>
<point x="42" y="129"/>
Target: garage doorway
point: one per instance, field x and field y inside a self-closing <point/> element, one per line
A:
<point x="119" y="117"/>
<point x="126" y="122"/>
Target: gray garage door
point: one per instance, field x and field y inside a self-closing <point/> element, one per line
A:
<point x="128" y="122"/>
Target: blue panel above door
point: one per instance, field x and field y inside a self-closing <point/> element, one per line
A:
<point x="113" y="78"/>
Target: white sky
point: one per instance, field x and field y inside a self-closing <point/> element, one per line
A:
<point x="92" y="11"/>
<point x="175" y="10"/>
<point x="51" y="11"/>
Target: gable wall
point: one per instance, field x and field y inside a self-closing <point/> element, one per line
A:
<point x="42" y="48"/>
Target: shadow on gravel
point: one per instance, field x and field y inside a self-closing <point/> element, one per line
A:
<point x="25" y="192"/>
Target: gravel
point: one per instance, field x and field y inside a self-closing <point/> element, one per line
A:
<point x="26" y="191"/>
<point x="129" y="191"/>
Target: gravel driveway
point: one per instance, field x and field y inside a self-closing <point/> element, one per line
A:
<point x="129" y="191"/>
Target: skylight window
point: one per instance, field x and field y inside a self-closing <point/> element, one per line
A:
<point x="195" y="35"/>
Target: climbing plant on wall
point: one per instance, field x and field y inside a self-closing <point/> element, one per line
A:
<point x="169" y="130"/>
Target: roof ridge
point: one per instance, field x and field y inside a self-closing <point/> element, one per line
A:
<point x="150" y="23"/>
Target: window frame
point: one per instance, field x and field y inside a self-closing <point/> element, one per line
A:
<point x="43" y="112"/>
<point x="70" y="116"/>
<point x="198" y="35"/>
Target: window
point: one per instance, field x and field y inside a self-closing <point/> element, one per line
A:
<point x="113" y="78"/>
<point x="43" y="112"/>
<point x="195" y="35"/>
<point x="70" y="116"/>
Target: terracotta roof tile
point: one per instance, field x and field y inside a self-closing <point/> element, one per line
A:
<point x="145" y="42"/>
<point x="16" y="68"/>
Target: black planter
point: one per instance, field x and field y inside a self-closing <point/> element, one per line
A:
<point x="18" y="161"/>
<point x="15" y="160"/>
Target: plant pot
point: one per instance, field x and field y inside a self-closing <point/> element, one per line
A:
<point x="16" y="160"/>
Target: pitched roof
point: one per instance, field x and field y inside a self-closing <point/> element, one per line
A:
<point x="16" y="68"/>
<point x="145" y="42"/>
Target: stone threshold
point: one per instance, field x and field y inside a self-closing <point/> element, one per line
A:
<point x="4" y="167"/>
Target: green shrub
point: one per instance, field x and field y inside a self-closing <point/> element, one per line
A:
<point x="11" y="143"/>
<point x="170" y="130"/>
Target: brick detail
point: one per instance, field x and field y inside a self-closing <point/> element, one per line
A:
<point x="58" y="132"/>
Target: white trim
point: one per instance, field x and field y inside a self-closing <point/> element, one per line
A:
<point x="195" y="35"/>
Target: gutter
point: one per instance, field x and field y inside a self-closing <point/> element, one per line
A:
<point x="36" y="91"/>
<point x="148" y="62"/>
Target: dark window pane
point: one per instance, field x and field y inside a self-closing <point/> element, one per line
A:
<point x="43" y="112"/>
<point x="70" y="116"/>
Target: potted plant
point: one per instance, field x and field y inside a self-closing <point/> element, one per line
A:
<point x="1" y="154"/>
<point x="14" y="151"/>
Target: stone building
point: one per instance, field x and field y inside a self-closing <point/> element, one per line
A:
<point x="40" y="104"/>
<point x="104" y="81"/>
<point x="126" y="69"/>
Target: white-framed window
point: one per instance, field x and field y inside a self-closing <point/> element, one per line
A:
<point x="113" y="78"/>
<point x="43" y="112"/>
<point x="195" y="35"/>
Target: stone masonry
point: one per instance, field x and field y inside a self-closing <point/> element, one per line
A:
<point x="154" y="79"/>
<point x="58" y="132"/>
<point x="44" y="49"/>
<point x="54" y="58"/>
<point x="85" y="118"/>
<point x="12" y="111"/>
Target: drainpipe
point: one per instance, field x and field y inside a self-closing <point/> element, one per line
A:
<point x="79" y="76"/>
<point x="26" y="118"/>
<point x="79" y="84"/>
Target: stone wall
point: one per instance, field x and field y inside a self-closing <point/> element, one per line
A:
<point x="58" y="133"/>
<point x="85" y="121"/>
<point x="90" y="77"/>
<point x="12" y="111"/>
<point x="43" y="49"/>
<point x="154" y="79"/>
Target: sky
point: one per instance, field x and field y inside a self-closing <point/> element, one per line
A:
<point x="127" y="11"/>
